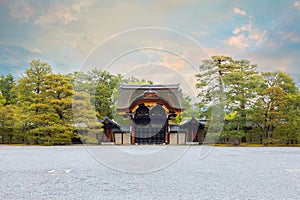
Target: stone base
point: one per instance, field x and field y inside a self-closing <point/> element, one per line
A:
<point x="192" y="143"/>
<point x="107" y="143"/>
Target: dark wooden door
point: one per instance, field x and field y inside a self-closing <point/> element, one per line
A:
<point x="150" y="125"/>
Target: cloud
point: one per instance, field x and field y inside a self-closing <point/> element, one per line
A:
<point x="83" y="44"/>
<point x="14" y="59"/>
<point x="48" y="13"/>
<point x="297" y="4"/>
<point x="38" y="51"/>
<point x="288" y="36"/>
<point x="247" y="27"/>
<point x="63" y="13"/>
<point x="21" y="10"/>
<point x="258" y="36"/>
<point x="57" y="13"/>
<point x="247" y="35"/>
<point x="11" y="53"/>
<point x="173" y="61"/>
<point x="239" y="11"/>
<point x="238" y="41"/>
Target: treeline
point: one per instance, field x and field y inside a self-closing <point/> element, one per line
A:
<point x="259" y="107"/>
<point x="42" y="107"/>
<point x="37" y="108"/>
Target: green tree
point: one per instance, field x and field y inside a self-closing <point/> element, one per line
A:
<point x="7" y="124"/>
<point x="242" y="84"/>
<point x="239" y="81"/>
<point x="45" y="103"/>
<point x="102" y="87"/>
<point x="58" y="93"/>
<point x="291" y="125"/>
<point x="276" y="112"/>
<point x="32" y="103"/>
<point x="212" y="94"/>
<point x="2" y="100"/>
<point x="190" y="110"/>
<point x="7" y="83"/>
<point x="85" y="118"/>
<point x="106" y="86"/>
<point x="210" y="80"/>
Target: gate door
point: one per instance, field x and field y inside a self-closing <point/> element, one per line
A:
<point x="150" y="125"/>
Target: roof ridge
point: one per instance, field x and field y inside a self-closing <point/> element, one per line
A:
<point x="149" y="86"/>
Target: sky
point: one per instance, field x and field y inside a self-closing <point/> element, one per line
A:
<point x="77" y="35"/>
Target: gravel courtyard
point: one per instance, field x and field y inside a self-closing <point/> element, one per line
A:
<point x="149" y="172"/>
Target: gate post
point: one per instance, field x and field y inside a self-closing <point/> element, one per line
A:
<point x="132" y="133"/>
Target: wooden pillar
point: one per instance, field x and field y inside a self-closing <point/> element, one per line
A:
<point x="132" y="133"/>
<point x="110" y="136"/>
<point x="104" y="138"/>
<point x="193" y="135"/>
<point x="166" y="132"/>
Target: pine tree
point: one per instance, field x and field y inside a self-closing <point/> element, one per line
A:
<point x="276" y="111"/>
<point x="45" y="102"/>
<point x="7" y="83"/>
<point x="85" y="118"/>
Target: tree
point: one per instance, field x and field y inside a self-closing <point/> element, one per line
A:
<point x="102" y="87"/>
<point x="45" y="103"/>
<point x="32" y="103"/>
<point x="9" y="124"/>
<point x="189" y="110"/>
<point x="58" y="93"/>
<point x="85" y="118"/>
<point x="7" y="83"/>
<point x="242" y="84"/>
<point x="277" y="109"/>
<point x="210" y="83"/>
<point x="2" y="100"/>
<point x="210" y="80"/>
<point x="291" y="124"/>
<point x="106" y="86"/>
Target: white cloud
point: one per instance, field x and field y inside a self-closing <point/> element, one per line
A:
<point x="21" y="10"/>
<point x="297" y="4"/>
<point x="57" y="13"/>
<point x="236" y="31"/>
<point x="258" y="36"/>
<point x="292" y="37"/>
<point x="38" y="51"/>
<point x="81" y="5"/>
<point x="173" y="61"/>
<point x="239" y="41"/>
<point x="247" y="27"/>
<point x="83" y="44"/>
<point x="247" y="35"/>
<point x="239" y="11"/>
<point x="63" y="13"/>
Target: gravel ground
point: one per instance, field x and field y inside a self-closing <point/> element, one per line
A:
<point x="142" y="172"/>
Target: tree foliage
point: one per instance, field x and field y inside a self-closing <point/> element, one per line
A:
<point x="101" y="86"/>
<point x="7" y="83"/>
<point x="276" y="111"/>
<point x="268" y="102"/>
<point x="45" y="101"/>
<point x="85" y="118"/>
<point x="240" y="104"/>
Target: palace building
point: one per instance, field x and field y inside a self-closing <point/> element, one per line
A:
<point x="150" y="110"/>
